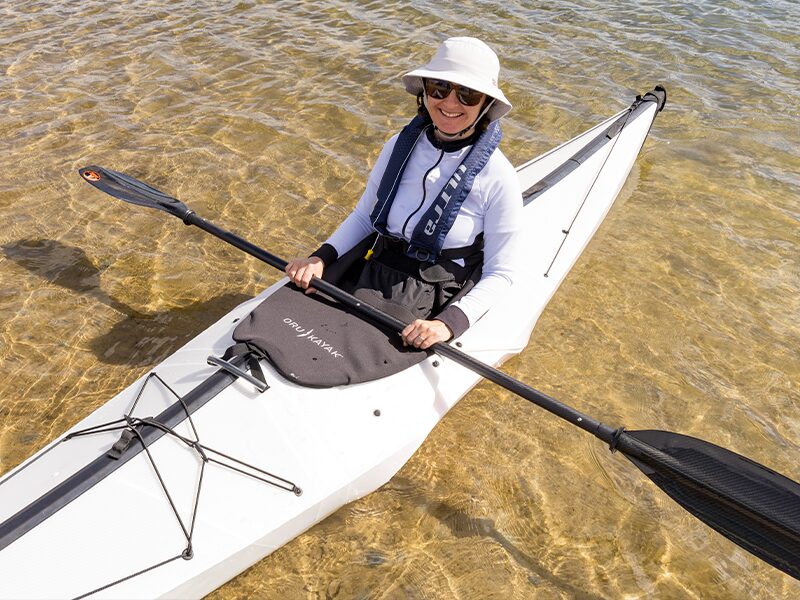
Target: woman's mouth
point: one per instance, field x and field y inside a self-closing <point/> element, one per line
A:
<point x="450" y="115"/>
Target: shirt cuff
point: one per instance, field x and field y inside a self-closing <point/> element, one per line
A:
<point x="327" y="253"/>
<point x="455" y="319"/>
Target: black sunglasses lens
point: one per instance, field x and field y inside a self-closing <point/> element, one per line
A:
<point x="437" y="89"/>
<point x="468" y="97"/>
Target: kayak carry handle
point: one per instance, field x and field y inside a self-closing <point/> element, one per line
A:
<point x="261" y="386"/>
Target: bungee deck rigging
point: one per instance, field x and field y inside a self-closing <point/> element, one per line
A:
<point x="137" y="434"/>
<point x="132" y="430"/>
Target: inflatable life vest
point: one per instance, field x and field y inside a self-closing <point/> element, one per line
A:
<point x="428" y="236"/>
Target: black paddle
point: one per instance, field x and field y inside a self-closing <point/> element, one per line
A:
<point x="746" y="502"/>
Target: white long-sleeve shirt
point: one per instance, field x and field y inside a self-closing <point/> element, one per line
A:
<point x="493" y="206"/>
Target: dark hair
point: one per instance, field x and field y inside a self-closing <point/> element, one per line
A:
<point x="482" y="125"/>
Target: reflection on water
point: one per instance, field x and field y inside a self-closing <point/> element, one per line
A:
<point x="684" y="314"/>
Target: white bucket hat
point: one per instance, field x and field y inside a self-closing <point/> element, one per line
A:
<point x="465" y="61"/>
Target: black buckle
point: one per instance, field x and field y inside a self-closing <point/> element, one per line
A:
<point x="121" y="445"/>
<point x="422" y="255"/>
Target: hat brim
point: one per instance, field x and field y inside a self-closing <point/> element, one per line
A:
<point x="413" y="84"/>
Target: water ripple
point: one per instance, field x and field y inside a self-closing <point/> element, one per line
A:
<point x="266" y="116"/>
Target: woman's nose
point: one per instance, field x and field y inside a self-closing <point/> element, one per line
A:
<point x="451" y="99"/>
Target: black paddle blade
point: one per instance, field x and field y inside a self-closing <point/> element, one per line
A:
<point x="751" y="505"/>
<point x="132" y="190"/>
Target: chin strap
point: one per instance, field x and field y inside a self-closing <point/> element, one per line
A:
<point x="454" y="136"/>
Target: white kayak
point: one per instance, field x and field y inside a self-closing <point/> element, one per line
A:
<point x="284" y="458"/>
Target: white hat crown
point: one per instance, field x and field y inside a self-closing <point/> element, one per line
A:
<point x="465" y="61"/>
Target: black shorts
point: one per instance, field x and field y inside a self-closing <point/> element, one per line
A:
<point x="409" y="289"/>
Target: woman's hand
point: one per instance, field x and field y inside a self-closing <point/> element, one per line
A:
<point x="424" y="334"/>
<point x="301" y="270"/>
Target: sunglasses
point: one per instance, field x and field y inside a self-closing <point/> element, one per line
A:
<point x="439" y="89"/>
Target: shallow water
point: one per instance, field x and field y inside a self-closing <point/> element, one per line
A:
<point x="683" y="314"/>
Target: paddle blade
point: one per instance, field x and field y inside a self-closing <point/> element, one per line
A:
<point x="132" y="190"/>
<point x="751" y="505"/>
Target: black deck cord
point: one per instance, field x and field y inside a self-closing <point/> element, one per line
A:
<point x="126" y="578"/>
<point x="134" y="425"/>
<point x="102" y="428"/>
<point x="591" y="187"/>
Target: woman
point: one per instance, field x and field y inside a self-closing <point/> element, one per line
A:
<point x="444" y="201"/>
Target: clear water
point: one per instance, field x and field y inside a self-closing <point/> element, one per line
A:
<point x="683" y="314"/>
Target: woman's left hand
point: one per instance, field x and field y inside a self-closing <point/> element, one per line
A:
<point x="424" y="334"/>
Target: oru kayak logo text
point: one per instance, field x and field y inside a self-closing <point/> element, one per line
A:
<point x="307" y="334"/>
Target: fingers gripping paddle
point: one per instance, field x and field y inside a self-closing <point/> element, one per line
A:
<point x="748" y="503"/>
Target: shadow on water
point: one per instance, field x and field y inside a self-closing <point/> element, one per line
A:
<point x="140" y="339"/>
<point x="462" y="525"/>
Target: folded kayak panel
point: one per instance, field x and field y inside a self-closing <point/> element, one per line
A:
<point x="334" y="445"/>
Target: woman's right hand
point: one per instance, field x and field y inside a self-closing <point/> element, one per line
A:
<point x="301" y="270"/>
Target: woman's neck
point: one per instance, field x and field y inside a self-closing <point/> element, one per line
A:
<point x="451" y="145"/>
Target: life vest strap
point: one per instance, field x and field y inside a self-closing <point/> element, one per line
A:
<point x="393" y="252"/>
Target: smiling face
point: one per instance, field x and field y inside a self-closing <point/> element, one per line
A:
<point x="451" y="116"/>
